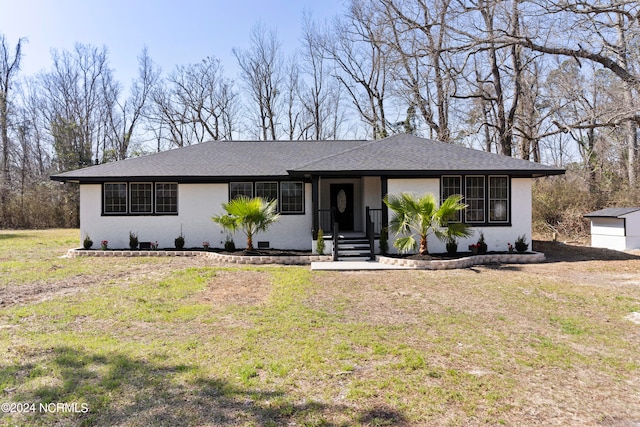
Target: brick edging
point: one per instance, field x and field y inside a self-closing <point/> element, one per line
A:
<point x="236" y="259"/>
<point x="450" y="264"/>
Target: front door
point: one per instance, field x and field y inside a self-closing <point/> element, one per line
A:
<point x="342" y="205"/>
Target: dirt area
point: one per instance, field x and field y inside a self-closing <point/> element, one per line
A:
<point x="49" y="289"/>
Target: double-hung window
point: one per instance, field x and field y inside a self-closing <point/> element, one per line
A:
<point x="498" y="199"/>
<point x="475" y="199"/>
<point x="240" y="189"/>
<point x="267" y="190"/>
<point x="451" y="186"/>
<point x="115" y="198"/>
<point x="140" y="195"/>
<point x="166" y="198"/>
<point x="291" y="197"/>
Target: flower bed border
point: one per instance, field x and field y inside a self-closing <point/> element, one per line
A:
<point x="450" y="264"/>
<point x="235" y="259"/>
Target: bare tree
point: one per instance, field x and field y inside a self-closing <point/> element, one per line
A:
<point x="262" y="70"/>
<point x="9" y="67"/>
<point x="601" y="32"/>
<point x="420" y="35"/>
<point x="125" y="118"/>
<point x="195" y="103"/>
<point x="319" y="91"/>
<point x="364" y="63"/>
<point x="77" y="96"/>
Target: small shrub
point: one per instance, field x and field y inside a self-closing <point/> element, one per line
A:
<point x="480" y="247"/>
<point x="229" y="244"/>
<point x="87" y="243"/>
<point x="320" y="242"/>
<point x="384" y="241"/>
<point x="104" y="245"/>
<point x="521" y="244"/>
<point x="452" y="247"/>
<point x="133" y="241"/>
<point x="179" y="242"/>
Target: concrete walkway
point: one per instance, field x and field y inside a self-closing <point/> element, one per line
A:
<point x="355" y="265"/>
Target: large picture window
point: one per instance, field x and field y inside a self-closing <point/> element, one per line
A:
<point x="140" y="197"/>
<point x="291" y="197"/>
<point x="115" y="198"/>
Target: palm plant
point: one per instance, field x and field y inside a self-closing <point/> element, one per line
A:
<point x="249" y="215"/>
<point x="419" y="216"/>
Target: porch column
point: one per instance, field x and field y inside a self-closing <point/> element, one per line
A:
<point x="314" y="206"/>
<point x="385" y="212"/>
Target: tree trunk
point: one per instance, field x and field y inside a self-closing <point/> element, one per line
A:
<point x="424" y="249"/>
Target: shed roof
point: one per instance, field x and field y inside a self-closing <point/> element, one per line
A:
<point x="398" y="155"/>
<point x="611" y="213"/>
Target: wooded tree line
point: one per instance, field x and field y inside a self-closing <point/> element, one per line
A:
<point x="552" y="81"/>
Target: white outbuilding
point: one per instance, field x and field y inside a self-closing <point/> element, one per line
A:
<point x="615" y="228"/>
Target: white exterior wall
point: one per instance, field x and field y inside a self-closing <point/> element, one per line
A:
<point x="372" y="186"/>
<point x="197" y="203"/>
<point x="496" y="237"/>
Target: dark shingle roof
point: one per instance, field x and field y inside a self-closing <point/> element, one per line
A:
<point x="399" y="155"/>
<point x="611" y="212"/>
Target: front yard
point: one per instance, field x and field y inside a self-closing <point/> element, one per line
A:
<point x="181" y="341"/>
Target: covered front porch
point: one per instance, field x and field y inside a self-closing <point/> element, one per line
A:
<point x="350" y="212"/>
<point x="348" y="202"/>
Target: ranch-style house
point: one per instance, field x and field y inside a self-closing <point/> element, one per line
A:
<point x="317" y="185"/>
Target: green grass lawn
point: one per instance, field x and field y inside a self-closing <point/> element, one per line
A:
<point x="175" y="342"/>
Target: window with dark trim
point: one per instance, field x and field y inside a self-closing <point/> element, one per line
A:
<point x="166" y="198"/>
<point x="291" y="197"/>
<point x="267" y="190"/>
<point x="240" y="189"/>
<point x="115" y="198"/>
<point x="498" y="199"/>
<point x="451" y="186"/>
<point x="475" y="199"/>
<point x="140" y="197"/>
<point x="488" y="198"/>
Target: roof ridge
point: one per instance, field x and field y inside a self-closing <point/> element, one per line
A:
<point x="363" y="144"/>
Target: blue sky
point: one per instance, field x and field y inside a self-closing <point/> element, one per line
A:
<point x="174" y="31"/>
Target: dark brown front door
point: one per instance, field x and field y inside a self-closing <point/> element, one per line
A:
<point x="342" y="205"/>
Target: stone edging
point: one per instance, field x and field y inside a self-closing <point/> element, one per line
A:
<point x="236" y="259"/>
<point x="449" y="264"/>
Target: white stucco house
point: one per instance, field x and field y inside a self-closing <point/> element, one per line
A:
<point x="158" y="196"/>
<point x="615" y="228"/>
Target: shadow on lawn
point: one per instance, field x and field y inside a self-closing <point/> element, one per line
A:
<point x="121" y="390"/>
<point x="561" y="252"/>
<point x="7" y="236"/>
